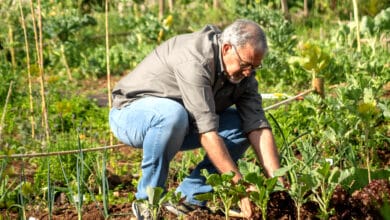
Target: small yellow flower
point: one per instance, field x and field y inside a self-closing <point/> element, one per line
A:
<point x="167" y="22"/>
<point x="367" y="109"/>
<point x="279" y="95"/>
<point x="82" y="136"/>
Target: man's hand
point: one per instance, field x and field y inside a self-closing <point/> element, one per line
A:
<point x="246" y="208"/>
<point x="246" y="205"/>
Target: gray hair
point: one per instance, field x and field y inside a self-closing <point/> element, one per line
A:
<point x="242" y="32"/>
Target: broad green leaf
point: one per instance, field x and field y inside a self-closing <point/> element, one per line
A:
<point x="283" y="170"/>
<point x="204" y="196"/>
<point x="154" y="194"/>
<point x="270" y="183"/>
<point x="214" y="179"/>
<point x="227" y="177"/>
<point x="254" y="178"/>
<point x="324" y="170"/>
<point x="307" y="182"/>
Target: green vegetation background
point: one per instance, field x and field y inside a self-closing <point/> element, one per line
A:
<point x="349" y="126"/>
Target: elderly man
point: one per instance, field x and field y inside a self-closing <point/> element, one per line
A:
<point x="181" y="97"/>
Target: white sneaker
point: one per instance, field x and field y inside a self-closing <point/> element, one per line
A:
<point x="141" y="210"/>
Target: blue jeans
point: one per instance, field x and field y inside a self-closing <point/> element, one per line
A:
<point x="161" y="127"/>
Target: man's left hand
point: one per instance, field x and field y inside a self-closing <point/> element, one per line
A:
<point x="246" y="208"/>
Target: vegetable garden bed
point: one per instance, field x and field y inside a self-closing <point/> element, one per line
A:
<point x="370" y="201"/>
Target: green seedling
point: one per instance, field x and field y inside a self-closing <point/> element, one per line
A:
<point x="224" y="189"/>
<point x="264" y="187"/>
<point x="157" y="197"/>
<point x="326" y="179"/>
<point x="154" y="196"/>
<point x="8" y="192"/>
<point x="301" y="184"/>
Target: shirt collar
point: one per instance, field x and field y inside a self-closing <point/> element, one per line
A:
<point x="219" y="63"/>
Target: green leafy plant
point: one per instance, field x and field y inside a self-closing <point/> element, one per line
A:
<point x="301" y="186"/>
<point x="8" y="192"/>
<point x="264" y="187"/>
<point x="326" y="179"/>
<point x="157" y="197"/>
<point x="311" y="57"/>
<point x="154" y="197"/>
<point x="224" y="190"/>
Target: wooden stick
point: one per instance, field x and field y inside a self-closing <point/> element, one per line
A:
<point x="357" y="23"/>
<point x="45" y="117"/>
<point x="108" y="65"/>
<point x="289" y="100"/>
<point x="317" y="86"/>
<point x="32" y="119"/>
<point x="61" y="152"/>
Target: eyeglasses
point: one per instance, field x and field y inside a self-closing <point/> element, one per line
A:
<point x="245" y="65"/>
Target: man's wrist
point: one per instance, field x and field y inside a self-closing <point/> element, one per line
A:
<point x="237" y="178"/>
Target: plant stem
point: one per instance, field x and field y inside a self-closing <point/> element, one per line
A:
<point x="5" y="108"/>
<point x="49" y="195"/>
<point x="105" y="185"/>
<point x="63" y="57"/>
<point x="367" y="133"/>
<point x="22" y="210"/>
<point x="298" y="212"/>
<point x="67" y="181"/>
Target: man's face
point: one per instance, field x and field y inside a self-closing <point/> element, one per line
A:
<point x="240" y="62"/>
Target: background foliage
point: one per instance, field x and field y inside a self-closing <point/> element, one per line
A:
<point x="350" y="125"/>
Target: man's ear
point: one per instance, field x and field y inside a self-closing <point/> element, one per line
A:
<point x="225" y="48"/>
